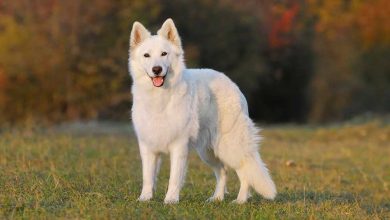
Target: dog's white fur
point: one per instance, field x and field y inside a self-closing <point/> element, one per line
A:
<point x="198" y="108"/>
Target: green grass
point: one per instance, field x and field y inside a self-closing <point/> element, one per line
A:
<point x="340" y="172"/>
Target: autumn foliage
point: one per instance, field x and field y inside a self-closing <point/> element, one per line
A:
<point x="296" y="60"/>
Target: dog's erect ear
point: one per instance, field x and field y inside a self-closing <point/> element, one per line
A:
<point x="138" y="34"/>
<point x="169" y="31"/>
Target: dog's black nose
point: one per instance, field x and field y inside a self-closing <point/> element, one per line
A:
<point x="157" y="70"/>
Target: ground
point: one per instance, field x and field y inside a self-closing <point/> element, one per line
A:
<point x="93" y="171"/>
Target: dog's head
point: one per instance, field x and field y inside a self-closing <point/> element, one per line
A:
<point x="156" y="60"/>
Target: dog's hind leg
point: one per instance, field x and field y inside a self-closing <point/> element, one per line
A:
<point x="207" y="155"/>
<point x="244" y="193"/>
<point x="220" y="187"/>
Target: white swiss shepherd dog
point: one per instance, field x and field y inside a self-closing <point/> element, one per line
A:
<point x="175" y="109"/>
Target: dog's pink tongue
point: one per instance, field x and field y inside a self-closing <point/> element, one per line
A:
<point x="158" y="81"/>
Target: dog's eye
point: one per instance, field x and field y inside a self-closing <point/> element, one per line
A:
<point x="146" y="55"/>
<point x="163" y="53"/>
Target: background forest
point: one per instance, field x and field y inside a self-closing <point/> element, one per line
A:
<point x="295" y="60"/>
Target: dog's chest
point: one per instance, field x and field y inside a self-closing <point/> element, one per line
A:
<point x="158" y="124"/>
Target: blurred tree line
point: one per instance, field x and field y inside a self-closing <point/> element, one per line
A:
<point x="295" y="60"/>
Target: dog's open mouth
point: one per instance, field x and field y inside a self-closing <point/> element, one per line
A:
<point x="158" y="81"/>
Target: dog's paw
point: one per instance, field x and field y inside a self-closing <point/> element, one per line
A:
<point x="171" y="200"/>
<point x="239" y="201"/>
<point x="215" y="199"/>
<point x="144" y="197"/>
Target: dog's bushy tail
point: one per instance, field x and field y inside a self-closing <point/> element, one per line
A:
<point x="255" y="170"/>
<point x="258" y="177"/>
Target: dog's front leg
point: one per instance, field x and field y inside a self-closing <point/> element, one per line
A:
<point x="178" y="154"/>
<point x="149" y="161"/>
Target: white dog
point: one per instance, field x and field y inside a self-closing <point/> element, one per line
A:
<point x="175" y="109"/>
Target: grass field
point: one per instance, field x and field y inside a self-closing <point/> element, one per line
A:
<point x="93" y="171"/>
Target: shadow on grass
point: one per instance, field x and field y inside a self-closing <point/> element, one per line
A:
<point x="310" y="197"/>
